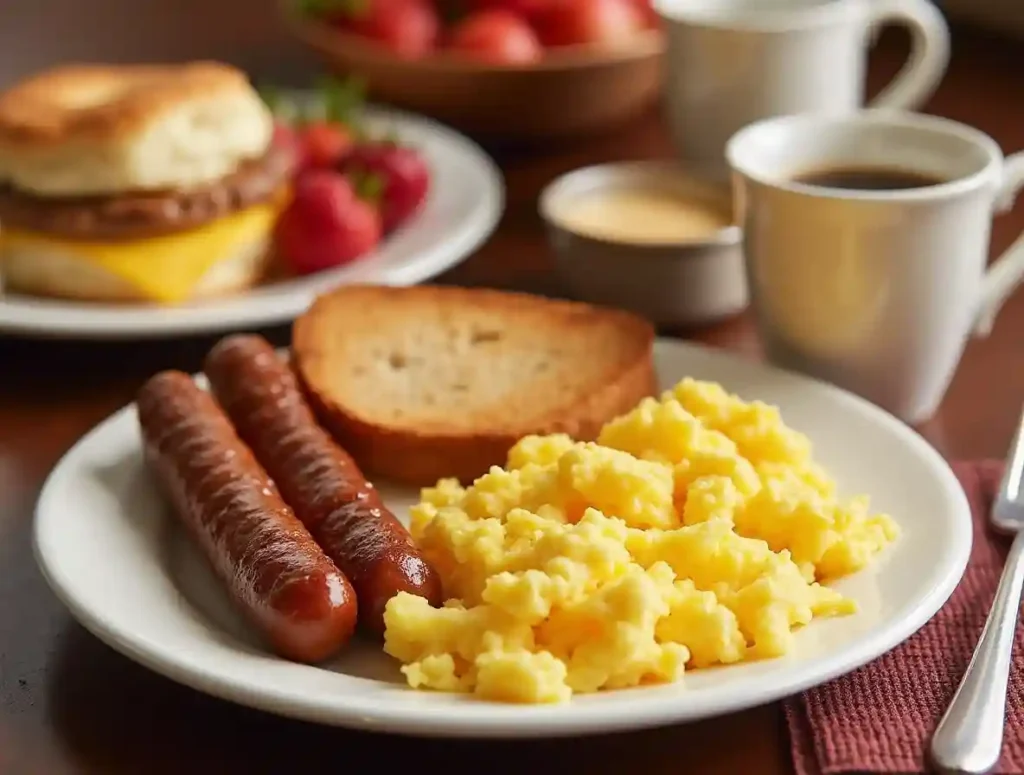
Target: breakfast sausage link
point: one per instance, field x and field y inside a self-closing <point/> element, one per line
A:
<point x="271" y="566"/>
<point x="329" y="493"/>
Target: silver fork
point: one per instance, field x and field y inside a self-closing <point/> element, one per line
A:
<point x="970" y="735"/>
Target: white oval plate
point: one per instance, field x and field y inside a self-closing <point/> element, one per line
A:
<point x="466" y="200"/>
<point x="114" y="555"/>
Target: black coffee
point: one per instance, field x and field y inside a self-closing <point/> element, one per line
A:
<point x="868" y="179"/>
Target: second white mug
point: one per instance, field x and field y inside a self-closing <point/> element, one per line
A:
<point x="732" y="62"/>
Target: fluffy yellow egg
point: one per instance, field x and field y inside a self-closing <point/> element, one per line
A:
<point x="696" y="531"/>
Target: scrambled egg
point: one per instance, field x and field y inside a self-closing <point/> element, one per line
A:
<point x="695" y="532"/>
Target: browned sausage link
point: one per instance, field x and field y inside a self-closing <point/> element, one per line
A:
<point x="317" y="477"/>
<point x="273" y="569"/>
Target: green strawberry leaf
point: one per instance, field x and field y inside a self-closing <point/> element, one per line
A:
<point x="336" y="102"/>
<point x="368" y="186"/>
<point x="342" y="99"/>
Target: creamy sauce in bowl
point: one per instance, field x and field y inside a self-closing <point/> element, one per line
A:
<point x="642" y="215"/>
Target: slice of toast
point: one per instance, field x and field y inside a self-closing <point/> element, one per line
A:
<point x="427" y="382"/>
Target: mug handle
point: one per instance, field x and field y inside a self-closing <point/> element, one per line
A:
<point x="1005" y="273"/>
<point x="929" y="55"/>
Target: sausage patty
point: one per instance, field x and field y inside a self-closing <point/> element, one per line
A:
<point x="141" y="214"/>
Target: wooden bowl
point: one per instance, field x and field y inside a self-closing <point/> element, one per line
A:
<point x="573" y="90"/>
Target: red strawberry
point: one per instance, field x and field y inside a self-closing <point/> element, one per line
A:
<point x="324" y="143"/>
<point x="496" y="35"/>
<point x="597" y="22"/>
<point x="409" y="28"/>
<point x="325" y="225"/>
<point x="401" y="172"/>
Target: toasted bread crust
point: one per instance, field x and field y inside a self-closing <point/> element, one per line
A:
<point x="99" y="102"/>
<point x="420" y="456"/>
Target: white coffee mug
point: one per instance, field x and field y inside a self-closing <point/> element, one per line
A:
<point x="732" y="62"/>
<point x="874" y="290"/>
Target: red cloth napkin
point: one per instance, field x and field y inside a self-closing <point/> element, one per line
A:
<point x="881" y="717"/>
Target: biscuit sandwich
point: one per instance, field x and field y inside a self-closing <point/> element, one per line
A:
<point x="150" y="183"/>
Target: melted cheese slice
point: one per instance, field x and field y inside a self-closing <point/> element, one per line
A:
<point x="167" y="268"/>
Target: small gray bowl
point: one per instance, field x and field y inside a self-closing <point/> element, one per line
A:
<point x="682" y="284"/>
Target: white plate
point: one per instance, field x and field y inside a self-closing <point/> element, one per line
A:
<point x="465" y="202"/>
<point x="113" y="554"/>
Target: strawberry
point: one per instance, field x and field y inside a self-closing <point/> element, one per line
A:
<point x="408" y="28"/>
<point x="326" y="224"/>
<point x="319" y="133"/>
<point x="496" y="35"/>
<point x="594" y="22"/>
<point x="400" y="173"/>
<point x="324" y="143"/>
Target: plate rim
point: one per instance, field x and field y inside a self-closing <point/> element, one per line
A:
<point x="540" y="721"/>
<point x="21" y="317"/>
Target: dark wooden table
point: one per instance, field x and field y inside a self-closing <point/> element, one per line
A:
<point x="69" y="704"/>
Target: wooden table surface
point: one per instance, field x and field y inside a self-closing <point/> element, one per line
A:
<point x="69" y="704"/>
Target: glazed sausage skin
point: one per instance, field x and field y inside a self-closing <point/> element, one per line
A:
<point x="272" y="568"/>
<point x="321" y="482"/>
